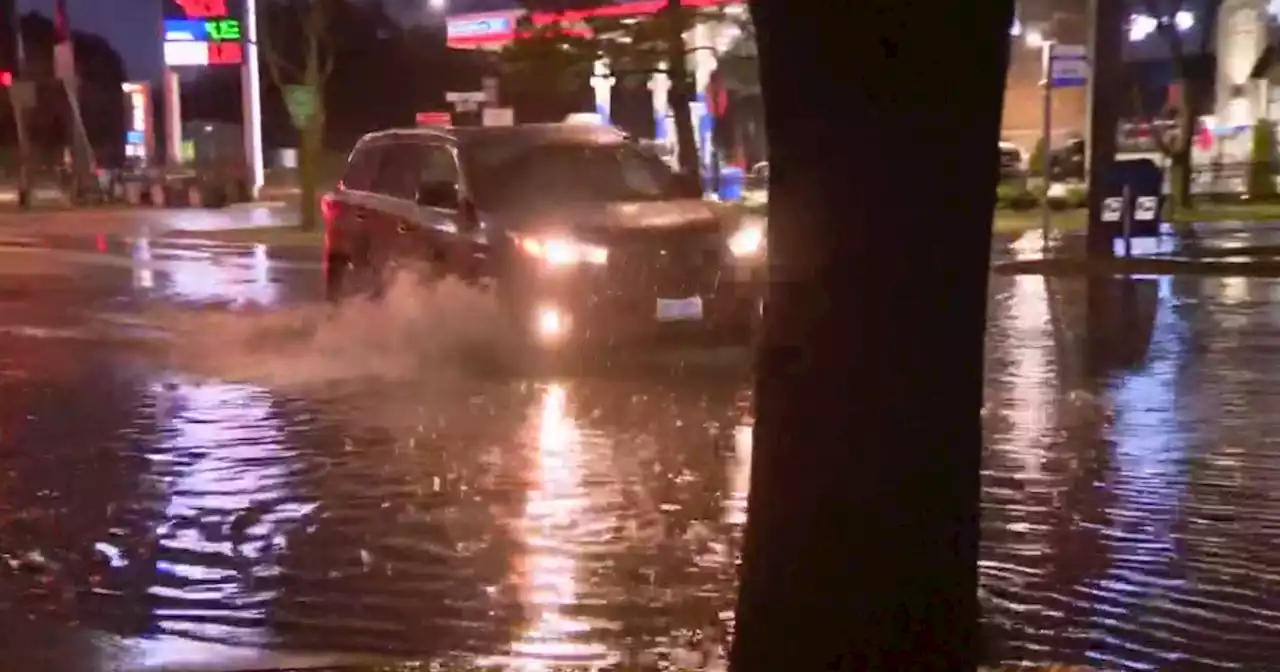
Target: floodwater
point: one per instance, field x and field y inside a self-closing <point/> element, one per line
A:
<point x="191" y="447"/>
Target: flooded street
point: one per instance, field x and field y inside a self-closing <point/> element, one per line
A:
<point x="192" y="446"/>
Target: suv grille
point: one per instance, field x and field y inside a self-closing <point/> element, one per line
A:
<point x="667" y="263"/>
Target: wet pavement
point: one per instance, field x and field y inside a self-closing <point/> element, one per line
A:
<point x="192" y="448"/>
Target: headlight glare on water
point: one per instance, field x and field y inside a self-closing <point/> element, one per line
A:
<point x="747" y="241"/>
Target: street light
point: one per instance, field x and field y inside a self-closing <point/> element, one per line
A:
<point x="437" y="5"/>
<point x="1036" y="39"/>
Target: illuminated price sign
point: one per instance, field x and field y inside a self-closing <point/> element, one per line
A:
<point x="225" y="53"/>
<point x="198" y="9"/>
<point x="220" y="30"/>
<point x="197" y="53"/>
<point x="202" y="33"/>
<point x="223" y="29"/>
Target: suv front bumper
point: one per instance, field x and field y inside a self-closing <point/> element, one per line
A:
<point x="592" y="304"/>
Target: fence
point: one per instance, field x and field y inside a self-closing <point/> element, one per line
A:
<point x="1220" y="180"/>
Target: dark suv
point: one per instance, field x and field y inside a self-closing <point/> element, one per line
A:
<point x="579" y="231"/>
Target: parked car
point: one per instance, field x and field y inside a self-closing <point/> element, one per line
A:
<point x="756" y="193"/>
<point x="1012" y="162"/>
<point x="578" y="232"/>
<point x="1068" y="161"/>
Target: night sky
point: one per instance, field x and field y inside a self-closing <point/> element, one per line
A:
<point x="133" y="26"/>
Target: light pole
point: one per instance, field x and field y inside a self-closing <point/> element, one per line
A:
<point x="251" y="102"/>
<point x="1036" y="40"/>
<point x="1091" y="19"/>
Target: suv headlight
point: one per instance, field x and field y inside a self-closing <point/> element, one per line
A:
<point x="747" y="241"/>
<point x="563" y="251"/>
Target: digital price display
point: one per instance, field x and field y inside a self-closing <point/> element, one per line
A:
<point x="202" y="33"/>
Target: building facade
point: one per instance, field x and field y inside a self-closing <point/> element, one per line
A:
<point x="1065" y="22"/>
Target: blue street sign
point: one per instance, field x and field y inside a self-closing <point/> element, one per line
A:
<point x="1068" y="66"/>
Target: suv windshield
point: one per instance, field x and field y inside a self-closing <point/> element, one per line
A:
<point x="564" y="171"/>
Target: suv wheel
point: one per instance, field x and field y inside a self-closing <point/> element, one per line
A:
<point x="349" y="277"/>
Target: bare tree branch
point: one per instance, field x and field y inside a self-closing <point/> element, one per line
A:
<point x="276" y="64"/>
<point x="1166" y="19"/>
<point x="324" y="45"/>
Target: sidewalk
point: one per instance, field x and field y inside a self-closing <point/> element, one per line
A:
<point x="1224" y="249"/>
<point x="135" y="221"/>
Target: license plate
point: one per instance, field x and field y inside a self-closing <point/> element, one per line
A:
<point x="680" y="310"/>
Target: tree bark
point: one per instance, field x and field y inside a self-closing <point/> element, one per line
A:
<point x="681" y="92"/>
<point x="861" y="544"/>
<point x="310" y="159"/>
<point x="1179" y="151"/>
<point x="311" y="154"/>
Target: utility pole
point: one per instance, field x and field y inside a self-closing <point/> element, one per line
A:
<point x="20" y="97"/>
<point x="1108" y="30"/>
<point x="64" y="66"/>
<point x="680" y="93"/>
<point x="1091" y="28"/>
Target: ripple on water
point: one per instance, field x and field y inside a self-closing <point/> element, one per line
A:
<point x="1128" y="507"/>
<point x="1130" y="513"/>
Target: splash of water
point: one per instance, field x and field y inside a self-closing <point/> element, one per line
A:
<point x="416" y="330"/>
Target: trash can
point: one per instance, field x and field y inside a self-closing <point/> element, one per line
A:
<point x="732" y="183"/>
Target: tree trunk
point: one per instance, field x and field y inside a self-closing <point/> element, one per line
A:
<point x="310" y="158"/>
<point x="1178" y="151"/>
<point x="681" y="92"/>
<point x="311" y="154"/>
<point x="861" y="544"/>
<point x="1180" y="157"/>
<point x="1109" y="91"/>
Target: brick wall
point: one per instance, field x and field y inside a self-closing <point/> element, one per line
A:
<point x="1023" y="100"/>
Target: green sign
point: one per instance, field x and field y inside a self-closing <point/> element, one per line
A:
<point x="223" y="29"/>
<point x="301" y="101"/>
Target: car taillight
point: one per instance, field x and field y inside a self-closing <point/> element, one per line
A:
<point x="329" y="209"/>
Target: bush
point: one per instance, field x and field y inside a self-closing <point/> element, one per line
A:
<point x="1015" y="197"/>
<point x="1077" y="197"/>
<point x="1262" y="181"/>
<point x="1035" y="165"/>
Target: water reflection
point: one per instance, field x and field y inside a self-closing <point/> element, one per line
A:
<point x="1129" y="509"/>
<point x="223" y="475"/>
<point x="550" y="571"/>
<point x="735" y="505"/>
<point x="1141" y="487"/>
<point x="1148" y="480"/>
<point x="143" y="275"/>
<point x="206" y="275"/>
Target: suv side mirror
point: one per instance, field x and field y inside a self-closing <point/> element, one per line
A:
<point x="443" y="195"/>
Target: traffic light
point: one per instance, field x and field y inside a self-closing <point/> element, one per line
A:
<point x="6" y="78"/>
